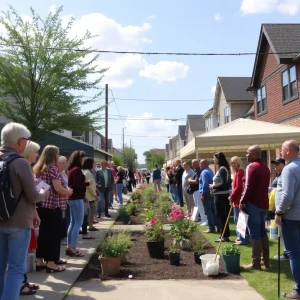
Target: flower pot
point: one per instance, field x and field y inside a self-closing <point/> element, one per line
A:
<point x="185" y="244"/>
<point x="156" y="249"/>
<point x="197" y="257"/>
<point x="232" y="263"/>
<point x="126" y="219"/>
<point x="174" y="258"/>
<point x="110" y="266"/>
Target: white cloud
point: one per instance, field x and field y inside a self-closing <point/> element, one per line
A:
<point x="52" y="9"/>
<point x="218" y="17"/>
<point x="113" y="36"/>
<point x="158" y="127"/>
<point x="165" y="71"/>
<point x="151" y="17"/>
<point x="290" y="7"/>
<point x="213" y="89"/>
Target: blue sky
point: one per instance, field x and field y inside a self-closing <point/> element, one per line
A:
<point x="167" y="26"/>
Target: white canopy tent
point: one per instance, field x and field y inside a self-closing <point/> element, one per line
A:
<point x="238" y="135"/>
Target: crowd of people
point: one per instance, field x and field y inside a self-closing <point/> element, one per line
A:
<point x="62" y="196"/>
<point x="59" y="196"/>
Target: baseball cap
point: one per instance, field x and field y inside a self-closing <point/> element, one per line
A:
<point x="278" y="160"/>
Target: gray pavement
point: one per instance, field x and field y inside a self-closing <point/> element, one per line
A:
<point x="164" y="290"/>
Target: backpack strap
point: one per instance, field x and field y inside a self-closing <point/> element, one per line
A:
<point x="8" y="159"/>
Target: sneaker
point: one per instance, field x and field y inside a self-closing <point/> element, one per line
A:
<point x="282" y="257"/>
<point x="204" y="224"/>
<point x="225" y="239"/>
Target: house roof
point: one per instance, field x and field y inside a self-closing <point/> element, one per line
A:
<point x="284" y="41"/>
<point x="234" y="88"/>
<point x="239" y="135"/>
<point x="196" y="122"/>
<point x="249" y="112"/>
<point x="181" y="132"/>
<point x="208" y="112"/>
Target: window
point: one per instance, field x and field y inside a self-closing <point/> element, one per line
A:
<point x="261" y="97"/>
<point x="289" y="84"/>
<point x="208" y="123"/>
<point x="226" y="114"/>
<point x="218" y="119"/>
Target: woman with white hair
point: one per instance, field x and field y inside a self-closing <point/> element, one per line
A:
<point x="15" y="230"/>
<point x="30" y="154"/>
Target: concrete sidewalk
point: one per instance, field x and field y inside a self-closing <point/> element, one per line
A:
<point x="56" y="285"/>
<point x="163" y="290"/>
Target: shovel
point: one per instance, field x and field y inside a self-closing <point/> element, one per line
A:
<point x="223" y="233"/>
<point x="278" y="283"/>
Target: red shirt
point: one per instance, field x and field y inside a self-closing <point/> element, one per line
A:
<point x="113" y="172"/>
<point x="257" y="180"/>
<point x="237" y="187"/>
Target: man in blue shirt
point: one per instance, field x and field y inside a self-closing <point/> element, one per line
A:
<point x="206" y="178"/>
<point x="287" y="213"/>
<point x="156" y="179"/>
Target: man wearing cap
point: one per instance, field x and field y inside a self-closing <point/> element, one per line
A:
<point x="279" y="164"/>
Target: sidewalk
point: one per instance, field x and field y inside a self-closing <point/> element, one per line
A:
<point x="163" y="290"/>
<point x="56" y="285"/>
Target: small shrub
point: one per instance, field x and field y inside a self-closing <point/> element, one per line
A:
<point x="123" y="211"/>
<point x="148" y="215"/>
<point x="131" y="208"/>
<point x="154" y="231"/>
<point x="113" y="246"/>
<point x="230" y="250"/>
<point x="197" y="246"/>
<point x="174" y="249"/>
<point x="165" y="208"/>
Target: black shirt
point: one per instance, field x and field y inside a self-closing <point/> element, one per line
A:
<point x="178" y="175"/>
<point x="121" y="177"/>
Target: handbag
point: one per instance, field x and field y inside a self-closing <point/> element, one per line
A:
<point x="124" y="190"/>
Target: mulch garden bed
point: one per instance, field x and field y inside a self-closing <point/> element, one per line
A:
<point x="142" y="267"/>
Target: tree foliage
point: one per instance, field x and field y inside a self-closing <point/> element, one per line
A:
<point x="40" y="82"/>
<point x="117" y="160"/>
<point x="130" y="157"/>
<point x="154" y="158"/>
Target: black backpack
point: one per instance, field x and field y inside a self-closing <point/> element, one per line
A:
<point x="8" y="203"/>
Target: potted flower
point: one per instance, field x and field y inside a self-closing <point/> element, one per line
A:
<point x="198" y="251"/>
<point x="174" y="255"/>
<point x="124" y="214"/>
<point x="112" y="250"/>
<point x="131" y="208"/>
<point x="155" y="238"/>
<point x="231" y="256"/>
<point x="136" y="195"/>
<point x="182" y="228"/>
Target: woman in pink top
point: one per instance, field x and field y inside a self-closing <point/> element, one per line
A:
<point x="236" y="194"/>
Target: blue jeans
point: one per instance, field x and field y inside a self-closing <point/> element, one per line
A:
<point x="13" y="251"/>
<point x="174" y="193"/>
<point x="77" y="214"/>
<point x="291" y="237"/>
<point x="210" y="210"/>
<point x="236" y="212"/>
<point x="99" y="206"/>
<point x="119" y="191"/>
<point x="180" y="195"/>
<point x="256" y="221"/>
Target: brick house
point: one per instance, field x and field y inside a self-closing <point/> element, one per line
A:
<point x="275" y="76"/>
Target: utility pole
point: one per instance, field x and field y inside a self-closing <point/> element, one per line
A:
<point x="106" y="119"/>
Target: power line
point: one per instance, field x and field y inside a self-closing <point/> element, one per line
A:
<point x="117" y="107"/>
<point x="151" y="53"/>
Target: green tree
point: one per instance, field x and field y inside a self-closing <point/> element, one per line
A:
<point x="130" y="157"/>
<point x="117" y="160"/>
<point x="154" y="158"/>
<point x="40" y="82"/>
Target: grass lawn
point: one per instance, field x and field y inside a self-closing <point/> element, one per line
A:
<point x="264" y="281"/>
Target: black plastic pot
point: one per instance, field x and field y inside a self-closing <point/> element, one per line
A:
<point x="126" y="219"/>
<point x="156" y="249"/>
<point x="174" y="259"/>
<point x="197" y="257"/>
